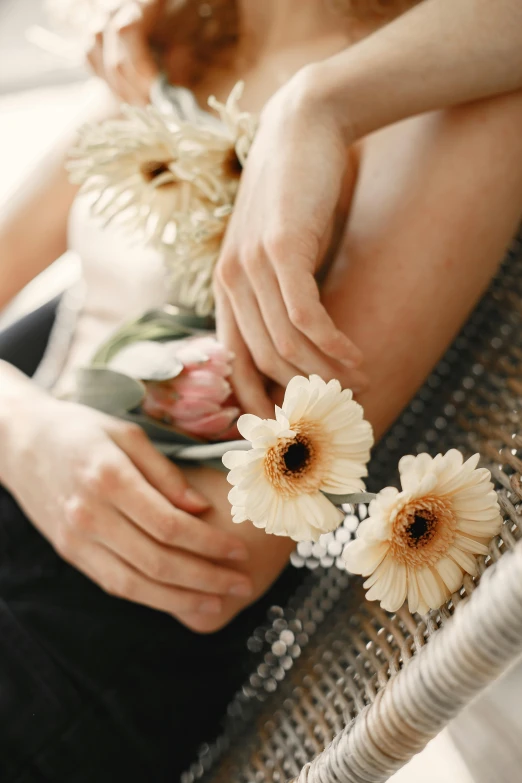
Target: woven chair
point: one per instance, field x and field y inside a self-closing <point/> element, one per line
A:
<point x="343" y="692"/>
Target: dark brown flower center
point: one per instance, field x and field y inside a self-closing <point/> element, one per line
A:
<point x="297" y="465"/>
<point x="297" y="456"/>
<point x="421" y="529"/>
<point x="232" y="165"/>
<point x="154" y="168"/>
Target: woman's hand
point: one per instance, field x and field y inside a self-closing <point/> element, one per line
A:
<point x="121" y="53"/>
<point x="268" y="302"/>
<point x="118" y="510"/>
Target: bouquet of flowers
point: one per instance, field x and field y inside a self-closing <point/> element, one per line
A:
<point x="168" y="174"/>
<point x="171" y="175"/>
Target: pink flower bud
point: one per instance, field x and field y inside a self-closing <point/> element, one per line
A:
<point x="196" y="400"/>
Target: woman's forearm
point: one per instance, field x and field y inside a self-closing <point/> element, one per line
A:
<point x="18" y="396"/>
<point x="33" y="227"/>
<point x="439" y="54"/>
<point x="33" y="222"/>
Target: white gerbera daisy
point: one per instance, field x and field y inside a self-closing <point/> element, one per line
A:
<point x="318" y="443"/>
<point x="151" y="168"/>
<point x="150" y="174"/>
<point x="241" y="125"/>
<point x="418" y="543"/>
<point x="172" y="180"/>
<point x="190" y="262"/>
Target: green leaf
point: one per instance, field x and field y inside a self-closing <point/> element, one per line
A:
<point x="147" y="360"/>
<point x="158" y="325"/>
<point x="107" y="390"/>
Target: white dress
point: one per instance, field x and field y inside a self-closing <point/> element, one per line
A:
<point x="121" y="277"/>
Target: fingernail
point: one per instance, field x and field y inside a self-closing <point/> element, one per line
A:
<point x="210" y="606"/>
<point x="238" y="554"/>
<point x="195" y="499"/>
<point x="241" y="590"/>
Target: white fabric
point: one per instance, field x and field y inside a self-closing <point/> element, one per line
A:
<point x="121" y="276"/>
<point x="121" y="279"/>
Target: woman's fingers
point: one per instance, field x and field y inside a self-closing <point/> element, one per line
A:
<point x="247" y="316"/>
<point x="159" y="471"/>
<point x="307" y="313"/>
<point x="118" y="69"/>
<point x="162" y="563"/>
<point x="94" y="54"/>
<point x="129" y="61"/>
<point x="152" y="512"/>
<point x="277" y="347"/>
<point x="121" y="53"/>
<point x="290" y="343"/>
<point x="245" y="379"/>
<point x="120" y="580"/>
<point x="137" y="56"/>
<point x="255" y="334"/>
<point x="138" y="484"/>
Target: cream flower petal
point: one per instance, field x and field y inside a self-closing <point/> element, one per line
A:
<point x="397" y="590"/>
<point x="170" y="180"/>
<point x="430" y="588"/>
<point x="412" y="470"/>
<point x="360" y="558"/>
<point x="450" y="573"/>
<point x="299" y="456"/>
<point x="444" y="516"/>
<point x="461" y="478"/>
<point x="466" y="561"/>
<point x="413" y="591"/>
<point x="247" y="423"/>
<point x="390" y="587"/>
<point x="470" y="545"/>
<point x="375" y="528"/>
<point x="380" y="575"/>
<point x="482" y="529"/>
<point x="297" y="406"/>
<point x="416" y="602"/>
<point x="238" y="515"/>
<point x="234" y="459"/>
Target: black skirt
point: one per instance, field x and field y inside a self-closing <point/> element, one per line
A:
<point x="94" y="689"/>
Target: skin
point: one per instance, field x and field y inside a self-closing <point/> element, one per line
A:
<point x="413" y="260"/>
<point x="437" y="55"/>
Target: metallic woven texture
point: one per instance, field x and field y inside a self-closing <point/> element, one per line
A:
<point x="334" y="671"/>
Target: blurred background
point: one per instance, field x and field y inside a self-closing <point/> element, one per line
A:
<point x="39" y="92"/>
<point x="44" y="95"/>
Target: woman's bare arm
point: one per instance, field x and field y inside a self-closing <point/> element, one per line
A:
<point x="437" y="201"/>
<point x="33" y="222"/>
<point x="33" y="227"/>
<point x="438" y="54"/>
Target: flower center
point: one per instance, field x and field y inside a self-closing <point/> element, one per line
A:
<point x="423" y="531"/>
<point x="151" y="169"/>
<point x="297" y="456"/>
<point x="296" y="466"/>
<point x="232" y="165"/>
<point x="420" y="529"/>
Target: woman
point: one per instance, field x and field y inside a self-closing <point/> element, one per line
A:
<point x="96" y="688"/>
<point x="435" y="56"/>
